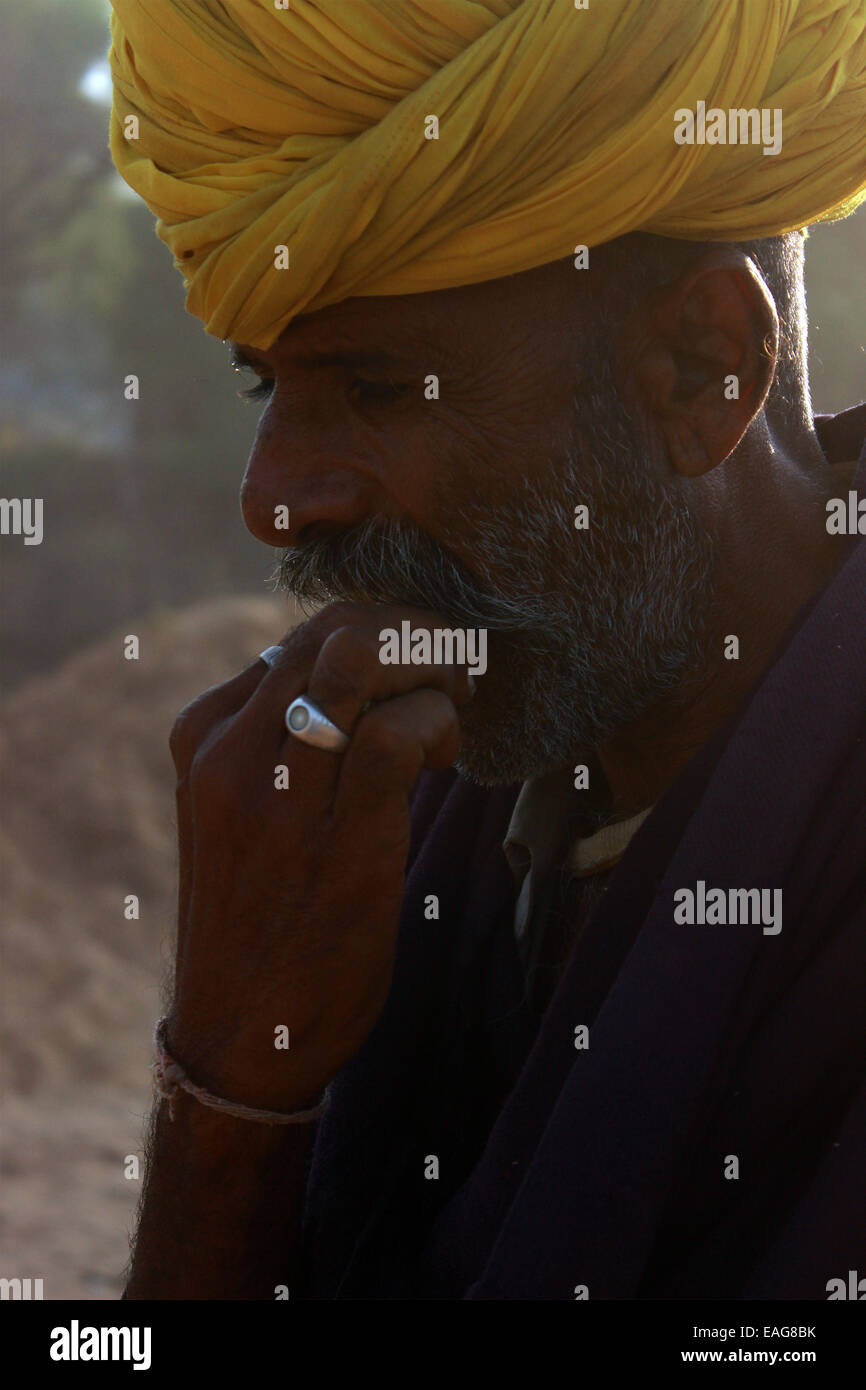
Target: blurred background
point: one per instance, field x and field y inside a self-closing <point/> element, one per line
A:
<point x="143" y="535"/>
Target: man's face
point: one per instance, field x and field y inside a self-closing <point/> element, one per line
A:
<point x="464" y="502"/>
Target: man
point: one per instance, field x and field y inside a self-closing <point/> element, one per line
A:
<point x="577" y="1012"/>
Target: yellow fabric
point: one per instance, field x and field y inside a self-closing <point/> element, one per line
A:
<point x="304" y="127"/>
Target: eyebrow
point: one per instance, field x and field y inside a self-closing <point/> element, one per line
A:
<point x="356" y="357"/>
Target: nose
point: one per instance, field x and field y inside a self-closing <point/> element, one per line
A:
<point x="298" y="475"/>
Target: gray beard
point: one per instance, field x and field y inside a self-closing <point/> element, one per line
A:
<point x="587" y="629"/>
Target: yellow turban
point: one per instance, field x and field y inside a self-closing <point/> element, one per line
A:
<point x="308" y="128"/>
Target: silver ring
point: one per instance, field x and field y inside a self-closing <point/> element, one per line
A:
<point x="271" y="655"/>
<point x="307" y="722"/>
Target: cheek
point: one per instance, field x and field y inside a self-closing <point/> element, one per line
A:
<point x="486" y="437"/>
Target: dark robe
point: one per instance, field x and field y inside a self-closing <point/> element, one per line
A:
<point x="605" y="1167"/>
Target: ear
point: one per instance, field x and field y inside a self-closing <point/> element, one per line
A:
<point x="701" y="353"/>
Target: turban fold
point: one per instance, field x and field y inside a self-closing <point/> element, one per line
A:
<point x="259" y="127"/>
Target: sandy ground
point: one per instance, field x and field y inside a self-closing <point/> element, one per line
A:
<point x="87" y="818"/>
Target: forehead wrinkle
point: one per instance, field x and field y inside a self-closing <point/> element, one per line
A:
<point x="427" y="328"/>
<point x="343" y="349"/>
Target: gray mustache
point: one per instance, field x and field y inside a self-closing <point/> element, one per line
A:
<point x="387" y="562"/>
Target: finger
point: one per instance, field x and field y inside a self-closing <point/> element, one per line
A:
<point x="391" y="744"/>
<point x="219" y="702"/>
<point x="348" y="674"/>
<point x="260" y="725"/>
<point x="288" y="666"/>
<point x="191" y="728"/>
<point x="302" y="646"/>
<point x="254" y="726"/>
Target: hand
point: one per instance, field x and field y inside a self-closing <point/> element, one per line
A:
<point x="290" y="899"/>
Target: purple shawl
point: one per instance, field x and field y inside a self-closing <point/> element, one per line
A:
<point x="605" y="1167"/>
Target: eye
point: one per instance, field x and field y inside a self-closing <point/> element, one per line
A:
<point x="239" y="362"/>
<point x="261" y="392"/>
<point x="376" y="392"/>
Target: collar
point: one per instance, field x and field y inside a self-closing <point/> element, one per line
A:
<point x="601" y="851"/>
<point x="537" y="830"/>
